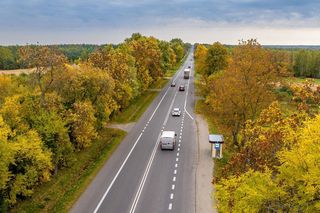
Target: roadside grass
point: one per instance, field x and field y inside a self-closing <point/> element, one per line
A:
<point x="59" y="194"/>
<point x="136" y="108"/>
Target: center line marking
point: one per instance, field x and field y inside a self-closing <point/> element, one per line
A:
<point x="174" y="179"/>
<point x="173" y="186"/>
<point x="175" y="172"/>
<point x="176" y="165"/>
<point x="171" y="196"/>
<point x="178" y="154"/>
<point x="170" y="206"/>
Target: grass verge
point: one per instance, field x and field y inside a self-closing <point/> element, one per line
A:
<point x="59" y="194"/>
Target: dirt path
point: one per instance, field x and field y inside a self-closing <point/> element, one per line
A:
<point x="125" y="127"/>
<point x="204" y="187"/>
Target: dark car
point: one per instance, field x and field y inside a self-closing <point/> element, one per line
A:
<point x="189" y="66"/>
<point x="181" y="87"/>
<point x="173" y="84"/>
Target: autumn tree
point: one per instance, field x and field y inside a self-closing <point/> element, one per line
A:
<point x="119" y="64"/>
<point x="147" y="56"/>
<point x="243" y="89"/>
<point x="46" y="63"/>
<point x="27" y="163"/>
<point x="200" y="55"/>
<point x="293" y="186"/>
<point x="262" y="139"/>
<point x="81" y="120"/>
<point x="306" y="96"/>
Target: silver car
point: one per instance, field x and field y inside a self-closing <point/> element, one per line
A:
<point x="176" y="112"/>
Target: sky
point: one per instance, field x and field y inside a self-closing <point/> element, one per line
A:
<point x="278" y="22"/>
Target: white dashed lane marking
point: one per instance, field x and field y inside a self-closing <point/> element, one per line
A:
<point x="170" y="206"/>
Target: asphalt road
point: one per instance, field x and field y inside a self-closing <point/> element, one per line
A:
<point x="139" y="176"/>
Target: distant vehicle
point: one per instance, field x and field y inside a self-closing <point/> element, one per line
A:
<point x="186" y="73"/>
<point x="173" y="84"/>
<point x="189" y="66"/>
<point x="168" y="140"/>
<point x="176" y="112"/>
<point x="181" y="87"/>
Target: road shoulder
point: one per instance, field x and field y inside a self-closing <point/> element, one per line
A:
<point x="204" y="188"/>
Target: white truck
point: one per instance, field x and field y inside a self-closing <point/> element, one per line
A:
<point x="168" y="140"/>
<point x="186" y="73"/>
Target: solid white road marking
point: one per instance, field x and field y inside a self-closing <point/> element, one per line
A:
<point x="144" y="177"/>
<point x="170" y="206"/>
<point x="116" y="176"/>
<point x="185" y="101"/>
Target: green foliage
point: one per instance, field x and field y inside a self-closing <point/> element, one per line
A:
<point x="307" y="63"/>
<point x="216" y="58"/>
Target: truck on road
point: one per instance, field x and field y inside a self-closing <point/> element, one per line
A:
<point x="186" y="73"/>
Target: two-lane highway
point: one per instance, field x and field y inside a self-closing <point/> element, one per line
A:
<point x="139" y="177"/>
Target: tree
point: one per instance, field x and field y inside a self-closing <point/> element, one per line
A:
<point x="168" y="56"/>
<point x="245" y="88"/>
<point x="119" y="64"/>
<point x="46" y="62"/>
<point x="147" y="56"/>
<point x="217" y="58"/>
<point x="293" y="186"/>
<point x="32" y="165"/>
<point x="200" y="54"/>
<point x="250" y="192"/>
<point x="262" y="139"/>
<point x="82" y="124"/>
<point x="7" y="60"/>
<point x="178" y="47"/>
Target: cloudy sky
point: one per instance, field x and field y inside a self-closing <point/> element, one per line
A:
<point x="205" y="21"/>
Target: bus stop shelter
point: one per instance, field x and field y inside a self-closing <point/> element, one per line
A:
<point x="216" y="142"/>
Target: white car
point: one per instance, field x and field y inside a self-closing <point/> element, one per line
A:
<point x="176" y="112"/>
